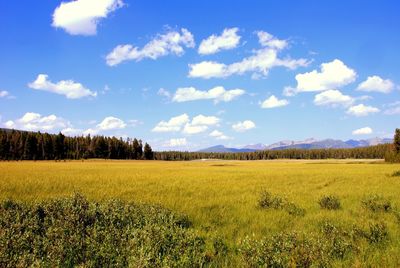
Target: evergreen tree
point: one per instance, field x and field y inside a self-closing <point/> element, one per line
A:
<point x="148" y="152"/>
<point x="397" y="141"/>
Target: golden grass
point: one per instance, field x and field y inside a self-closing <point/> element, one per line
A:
<point x="220" y="196"/>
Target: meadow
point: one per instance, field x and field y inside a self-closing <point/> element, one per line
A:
<point x="222" y="199"/>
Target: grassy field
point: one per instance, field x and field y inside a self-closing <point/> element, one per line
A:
<point x="220" y="197"/>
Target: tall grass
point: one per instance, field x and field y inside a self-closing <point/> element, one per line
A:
<point x="221" y="201"/>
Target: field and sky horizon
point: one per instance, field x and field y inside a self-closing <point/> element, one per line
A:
<point x="118" y="119"/>
<point x="186" y="76"/>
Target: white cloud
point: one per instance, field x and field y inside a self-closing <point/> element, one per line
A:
<point x="333" y="98"/>
<point x="81" y="17"/>
<point x="4" y="93"/>
<point x="227" y="40"/>
<point x="205" y="120"/>
<point x="362" y="110"/>
<point x="377" y="84"/>
<point x="72" y="131"/>
<point x="289" y="91"/>
<point x="200" y="124"/>
<point x="218" y="94"/>
<point x="175" y="142"/>
<point x="243" y="126"/>
<point x="219" y="135"/>
<point x="90" y="131"/>
<point x="163" y="92"/>
<point x="362" y="131"/>
<point x="174" y="124"/>
<point x="333" y="74"/>
<point x="110" y="123"/>
<point x="172" y="42"/>
<point x="68" y="88"/>
<point x="259" y="63"/>
<point x="274" y="102"/>
<point x="36" y="122"/>
<point x="194" y="129"/>
<point x="268" y="40"/>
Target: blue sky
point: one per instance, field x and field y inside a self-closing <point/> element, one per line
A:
<point x="187" y="75"/>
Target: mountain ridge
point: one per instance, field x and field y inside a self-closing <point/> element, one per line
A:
<point x="310" y="143"/>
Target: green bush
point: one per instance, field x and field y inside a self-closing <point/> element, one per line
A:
<point x="75" y="232"/>
<point x="294" y="210"/>
<point x="267" y="200"/>
<point x="330" y="202"/>
<point x="392" y="157"/>
<point x="284" y="250"/>
<point x="396" y="174"/>
<point x="377" y="203"/>
<point x="378" y="233"/>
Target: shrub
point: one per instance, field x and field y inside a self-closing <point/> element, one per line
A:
<point x="75" y="232"/>
<point x="377" y="203"/>
<point x="378" y="233"/>
<point x="284" y="250"/>
<point x="294" y="210"/>
<point x="396" y="174"/>
<point x="330" y="202"/>
<point x="267" y="200"/>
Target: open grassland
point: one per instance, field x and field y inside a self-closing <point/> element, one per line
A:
<point x="221" y="198"/>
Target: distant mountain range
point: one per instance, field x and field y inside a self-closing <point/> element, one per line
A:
<point x="305" y="144"/>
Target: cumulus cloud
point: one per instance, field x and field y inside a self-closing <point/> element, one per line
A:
<point x="362" y="110"/>
<point x="268" y="40"/>
<point x="362" y="131"/>
<point x="4" y="93"/>
<point x="68" y="88"/>
<point x="36" y="122"/>
<point x="227" y="40"/>
<point x="110" y="123"/>
<point x="376" y="84"/>
<point x="200" y="124"/>
<point x="69" y="131"/>
<point x="172" y="42"/>
<point x="91" y="131"/>
<point x="219" y="135"/>
<point x="259" y="63"/>
<point x="194" y="129"/>
<point x="205" y="120"/>
<point x="81" y="17"/>
<point x="333" y="74"/>
<point x="243" y="126"/>
<point x="217" y="94"/>
<point x="107" y="124"/>
<point x="274" y="102"/>
<point x="174" y="124"/>
<point x="176" y="142"/>
<point x="333" y="98"/>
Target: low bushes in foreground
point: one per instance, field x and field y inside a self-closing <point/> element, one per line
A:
<point x="377" y="203"/>
<point x="75" y="232"/>
<point x="396" y="173"/>
<point x="322" y="249"/>
<point x="330" y="202"/>
<point x="269" y="201"/>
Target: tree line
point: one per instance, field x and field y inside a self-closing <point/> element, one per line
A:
<point x="393" y="155"/>
<point x="24" y="145"/>
<point x="371" y="152"/>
